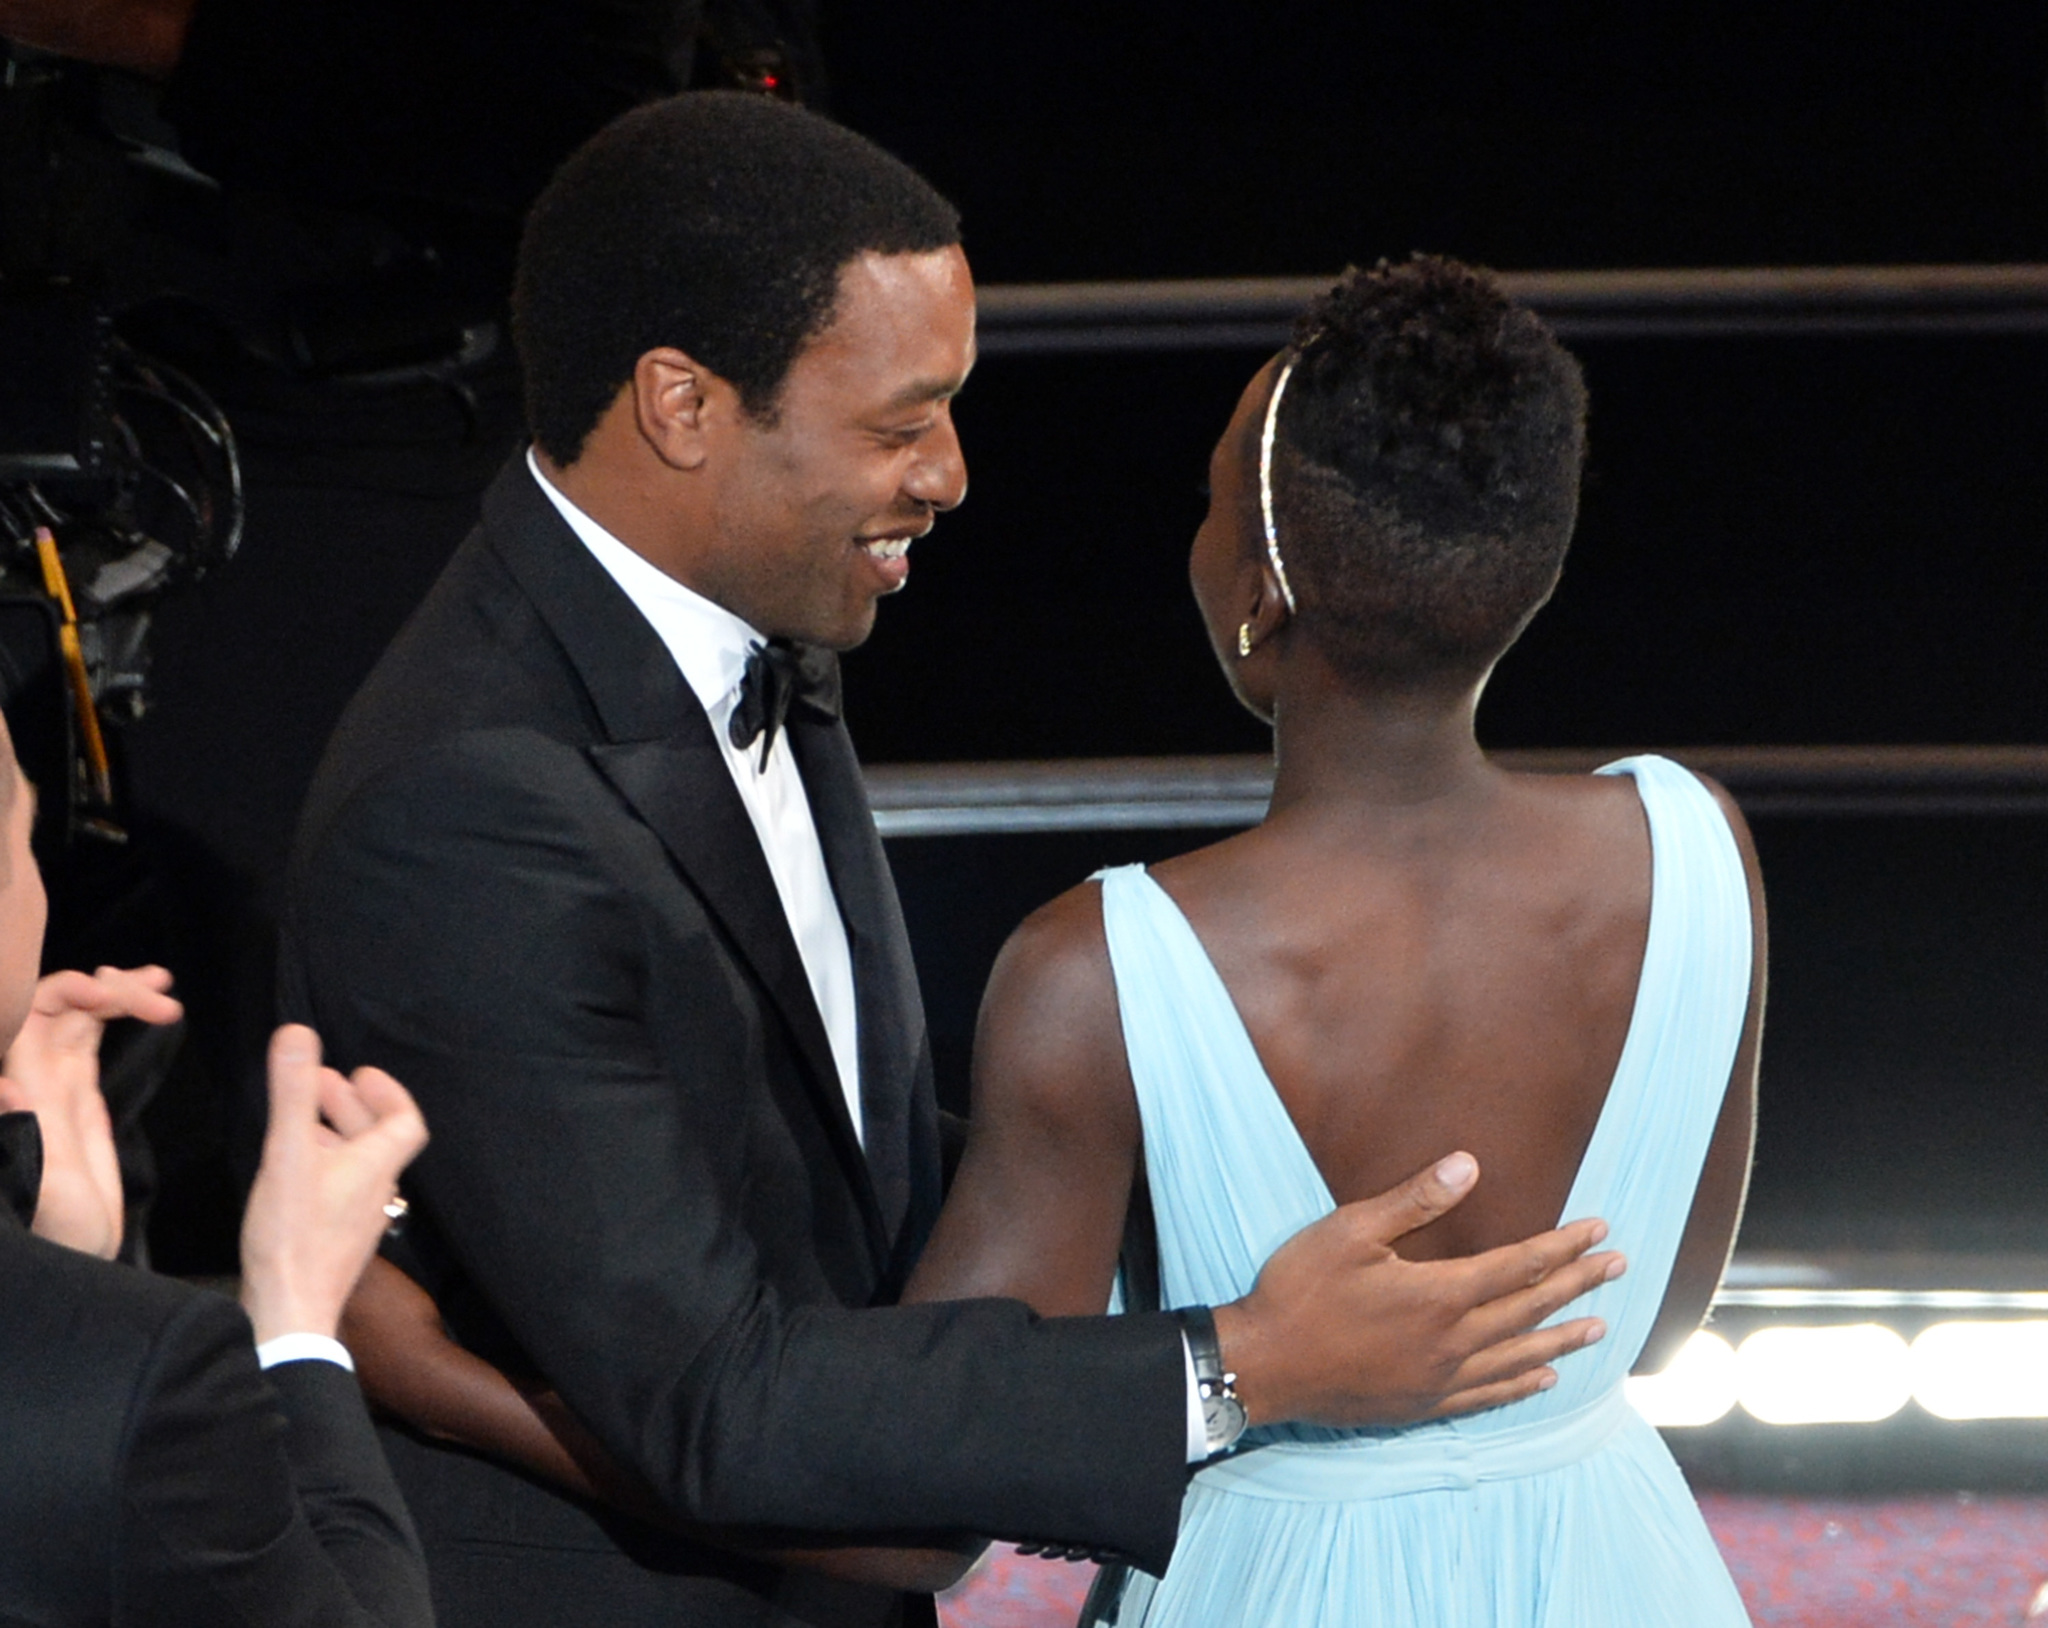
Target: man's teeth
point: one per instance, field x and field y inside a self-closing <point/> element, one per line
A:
<point x="888" y="548"/>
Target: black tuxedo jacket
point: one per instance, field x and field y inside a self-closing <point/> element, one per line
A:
<point x="148" y="1476"/>
<point x="526" y="885"/>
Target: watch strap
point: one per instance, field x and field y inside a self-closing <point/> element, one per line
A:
<point x="1198" y="1324"/>
<point x="1223" y="1414"/>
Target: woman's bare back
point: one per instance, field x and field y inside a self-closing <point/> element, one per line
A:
<point x="1420" y="978"/>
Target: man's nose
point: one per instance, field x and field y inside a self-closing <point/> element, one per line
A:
<point x="939" y="476"/>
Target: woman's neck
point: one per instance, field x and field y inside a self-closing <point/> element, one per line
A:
<point x="1343" y="746"/>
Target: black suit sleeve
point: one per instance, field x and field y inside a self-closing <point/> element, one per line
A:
<point x="591" y="1168"/>
<point x="234" y="1512"/>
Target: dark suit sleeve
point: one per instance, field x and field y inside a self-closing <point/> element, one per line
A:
<point x="236" y="1512"/>
<point x="483" y="924"/>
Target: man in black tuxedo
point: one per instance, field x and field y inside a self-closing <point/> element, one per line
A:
<point x="159" y="1467"/>
<point x="589" y="864"/>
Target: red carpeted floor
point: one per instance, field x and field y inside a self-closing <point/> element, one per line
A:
<point x="1956" y="1561"/>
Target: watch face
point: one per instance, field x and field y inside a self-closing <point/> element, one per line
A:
<point x="1222" y="1421"/>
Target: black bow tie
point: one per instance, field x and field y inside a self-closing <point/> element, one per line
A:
<point x="779" y="674"/>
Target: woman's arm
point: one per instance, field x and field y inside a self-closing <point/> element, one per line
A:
<point x="1724" y="1179"/>
<point x="410" y="1368"/>
<point x="1036" y="1212"/>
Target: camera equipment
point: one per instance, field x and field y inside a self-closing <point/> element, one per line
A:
<point x="119" y="477"/>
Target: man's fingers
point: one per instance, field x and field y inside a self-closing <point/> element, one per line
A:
<point x="400" y="1125"/>
<point x="141" y="993"/>
<point x="1497" y="1395"/>
<point x="398" y="1138"/>
<point x="154" y="977"/>
<point x="1511" y="1267"/>
<point x="1513" y="1313"/>
<point x="1510" y="1359"/>
<point x="1417" y="1201"/>
<point x="294" y="1069"/>
<point x="382" y="1094"/>
<point x="342" y="1106"/>
<point x="61" y="992"/>
<point x="372" y="1102"/>
<point x="377" y="1119"/>
<point x="109" y="993"/>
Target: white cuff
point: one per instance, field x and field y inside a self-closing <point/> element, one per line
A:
<point x="1198" y="1428"/>
<point x="319" y="1348"/>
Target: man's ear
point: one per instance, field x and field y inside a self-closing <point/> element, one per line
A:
<point x="671" y="396"/>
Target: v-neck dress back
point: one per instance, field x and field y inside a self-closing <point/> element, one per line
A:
<point x="1564" y="1510"/>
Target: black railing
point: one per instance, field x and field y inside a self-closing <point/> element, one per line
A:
<point x="1214" y="313"/>
<point x="1192" y="793"/>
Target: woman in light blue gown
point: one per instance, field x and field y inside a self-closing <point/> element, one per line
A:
<point x="1416" y="950"/>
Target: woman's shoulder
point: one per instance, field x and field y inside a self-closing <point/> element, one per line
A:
<point x="1621" y="791"/>
<point x="1064" y="934"/>
<point x="1050" y="1008"/>
<point x="1626" y="790"/>
<point x="1626" y="779"/>
<point x="1608" y="826"/>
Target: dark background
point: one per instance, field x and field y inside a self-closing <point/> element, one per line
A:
<point x="1783" y="540"/>
<point x="1157" y="138"/>
<point x="1788" y="540"/>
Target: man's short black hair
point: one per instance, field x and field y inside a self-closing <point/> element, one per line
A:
<point x="716" y="222"/>
<point x="1426" y="469"/>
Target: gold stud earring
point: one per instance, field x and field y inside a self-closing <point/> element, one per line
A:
<point x="1244" y="639"/>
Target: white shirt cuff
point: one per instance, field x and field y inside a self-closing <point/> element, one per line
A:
<point x="319" y="1348"/>
<point x="1198" y="1428"/>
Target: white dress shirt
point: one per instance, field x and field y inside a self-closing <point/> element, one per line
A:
<point x="304" y="1348"/>
<point x="710" y="646"/>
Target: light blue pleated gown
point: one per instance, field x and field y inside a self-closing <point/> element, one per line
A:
<point x="1562" y="1510"/>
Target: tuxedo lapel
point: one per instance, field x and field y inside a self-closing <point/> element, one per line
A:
<point x="662" y="758"/>
<point x="885" y="981"/>
<point x="681" y="789"/>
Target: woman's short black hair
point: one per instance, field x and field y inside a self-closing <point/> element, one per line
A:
<point x="716" y="222"/>
<point x="1426" y="469"/>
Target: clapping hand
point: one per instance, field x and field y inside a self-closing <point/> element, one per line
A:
<point x="53" y="1071"/>
<point x="331" y="1158"/>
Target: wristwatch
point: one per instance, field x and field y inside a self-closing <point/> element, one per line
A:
<point x="1222" y="1413"/>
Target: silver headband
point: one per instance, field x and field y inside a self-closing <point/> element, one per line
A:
<point x="1266" y="484"/>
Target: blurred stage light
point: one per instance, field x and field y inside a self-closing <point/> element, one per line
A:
<point x="1695" y="1388"/>
<point x="1855" y="1373"/>
<point x="1982" y="1370"/>
<point x="1798" y="1365"/>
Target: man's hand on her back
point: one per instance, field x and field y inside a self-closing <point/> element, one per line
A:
<point x="1340" y="1330"/>
<point x="53" y="1071"/>
<point x="331" y="1159"/>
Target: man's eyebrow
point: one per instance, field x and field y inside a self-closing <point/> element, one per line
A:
<point x="924" y="390"/>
